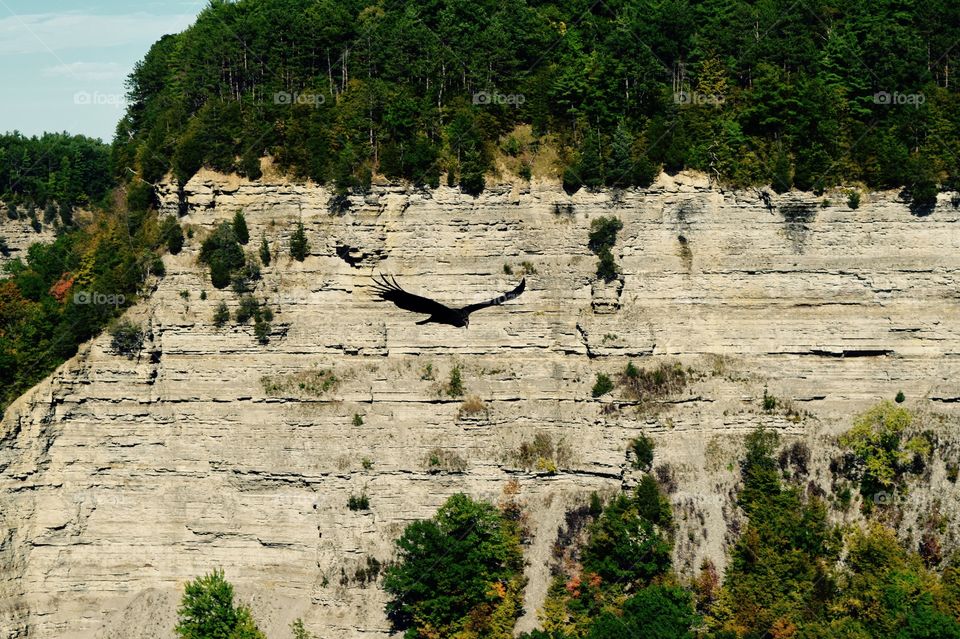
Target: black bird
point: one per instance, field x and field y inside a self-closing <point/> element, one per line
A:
<point x="390" y="291"/>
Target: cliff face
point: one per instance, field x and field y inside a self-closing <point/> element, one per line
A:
<point x="120" y="479"/>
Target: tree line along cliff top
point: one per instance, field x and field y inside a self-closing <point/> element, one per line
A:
<point x="808" y="95"/>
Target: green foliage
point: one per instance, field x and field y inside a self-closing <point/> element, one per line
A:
<point x="357" y="419"/>
<point x="460" y="571"/>
<point x="900" y="398"/>
<point x="61" y="294"/>
<point x="455" y="386"/>
<point x="853" y="200"/>
<point x="656" y="612"/>
<point x="602" y="386"/>
<point x="299" y="246"/>
<point x="126" y="338"/>
<point x="222" y="253"/>
<point x="876" y="440"/>
<point x="627" y="545"/>
<point x="647" y="385"/>
<point x="642" y="448"/>
<point x="172" y="234"/>
<point x="603" y="236"/>
<point x="791" y="105"/>
<point x="221" y="315"/>
<point x="358" y="502"/>
<point x="300" y="631"/>
<point x="55" y="167"/>
<point x="240" y="230"/>
<point x="207" y="611"/>
<point x="248" y="308"/>
<point x="264" y="251"/>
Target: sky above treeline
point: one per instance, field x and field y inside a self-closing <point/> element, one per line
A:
<point x="63" y="62"/>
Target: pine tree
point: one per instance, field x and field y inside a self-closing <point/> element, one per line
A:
<point x="240" y="228"/>
<point x="264" y="251"/>
<point x="299" y="246"/>
<point x="620" y="171"/>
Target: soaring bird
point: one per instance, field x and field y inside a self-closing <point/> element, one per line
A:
<point x="390" y="291"/>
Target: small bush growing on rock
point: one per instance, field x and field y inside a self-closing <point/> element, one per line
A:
<point x="602" y="386"/>
<point x="472" y="405"/>
<point x="642" y="448"/>
<point x="853" y="200"/>
<point x="221" y="315"/>
<point x="667" y="378"/>
<point x="261" y="330"/>
<point x="314" y="383"/>
<point x="4" y="247"/>
<point x="367" y="463"/>
<point x="455" y="385"/>
<point x="603" y="236"/>
<point x="299" y="246"/>
<point x="12" y="211"/>
<point x="953" y="470"/>
<point x="441" y="460"/>
<point x="240" y="227"/>
<point x="357" y="419"/>
<point x="901" y="397"/>
<point x="264" y="251"/>
<point x="248" y="308"/>
<point x="126" y="338"/>
<point x="172" y="234"/>
<point x="769" y="401"/>
<point x="542" y="454"/>
<point x="358" y="502"/>
<point x="300" y="631"/>
<point x="222" y="253"/>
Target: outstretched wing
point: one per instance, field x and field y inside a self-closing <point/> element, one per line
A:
<point x="390" y="291"/>
<point x="506" y="297"/>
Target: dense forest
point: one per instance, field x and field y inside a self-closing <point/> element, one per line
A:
<point x="795" y="94"/>
<point x="59" y="168"/>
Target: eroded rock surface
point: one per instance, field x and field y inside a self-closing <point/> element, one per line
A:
<point x="121" y="479"/>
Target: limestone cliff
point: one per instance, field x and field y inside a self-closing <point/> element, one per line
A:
<point x="120" y="479"/>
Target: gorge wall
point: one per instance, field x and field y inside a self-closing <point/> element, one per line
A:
<point x="121" y="479"/>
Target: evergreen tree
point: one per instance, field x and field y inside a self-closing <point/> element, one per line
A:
<point x="299" y="246"/>
<point x="264" y="251"/>
<point x="240" y="228"/>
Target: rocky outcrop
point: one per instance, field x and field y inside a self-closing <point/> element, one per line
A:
<point x="120" y="479"/>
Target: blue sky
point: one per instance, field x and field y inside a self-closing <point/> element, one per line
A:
<point x="63" y="62"/>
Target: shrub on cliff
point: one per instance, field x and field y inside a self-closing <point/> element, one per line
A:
<point x="240" y="227"/>
<point x="299" y="246"/>
<point x="603" y="235"/>
<point x="207" y="611"/>
<point x="126" y="338"/>
<point x="222" y="253"/>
